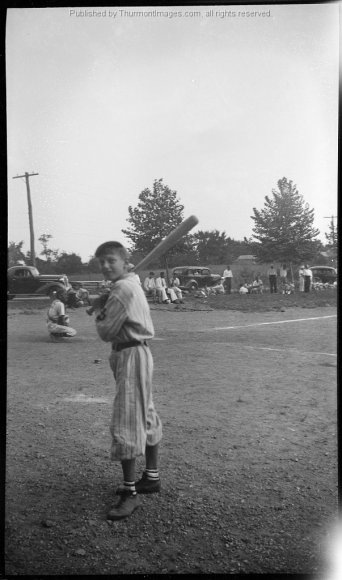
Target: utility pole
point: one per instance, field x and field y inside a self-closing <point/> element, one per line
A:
<point x="333" y="234"/>
<point x="330" y="217"/>
<point x="332" y="223"/>
<point x="27" y="176"/>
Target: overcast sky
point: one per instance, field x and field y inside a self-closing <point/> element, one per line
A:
<point x="221" y="106"/>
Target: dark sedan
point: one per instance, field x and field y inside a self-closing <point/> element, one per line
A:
<point x="193" y="277"/>
<point x="324" y="274"/>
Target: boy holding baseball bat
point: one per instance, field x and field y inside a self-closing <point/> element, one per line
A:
<point x="124" y="320"/>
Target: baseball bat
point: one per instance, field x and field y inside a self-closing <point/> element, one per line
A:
<point x="171" y="240"/>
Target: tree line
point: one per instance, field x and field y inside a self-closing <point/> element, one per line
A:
<point x="283" y="232"/>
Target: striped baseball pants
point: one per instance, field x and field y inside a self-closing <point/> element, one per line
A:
<point x="134" y="422"/>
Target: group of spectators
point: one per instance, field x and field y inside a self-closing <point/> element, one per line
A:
<point x="280" y="282"/>
<point x="161" y="290"/>
<point x="167" y="292"/>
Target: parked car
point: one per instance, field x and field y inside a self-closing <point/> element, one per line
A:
<point x="193" y="277"/>
<point x="323" y="274"/>
<point x="27" y="280"/>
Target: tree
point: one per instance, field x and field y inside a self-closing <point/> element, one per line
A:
<point x="15" y="253"/>
<point x="331" y="237"/>
<point x="284" y="227"/>
<point x="211" y="247"/>
<point x="158" y="212"/>
<point x="47" y="252"/>
<point x="93" y="265"/>
<point x="69" y="263"/>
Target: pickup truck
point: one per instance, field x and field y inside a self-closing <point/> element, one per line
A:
<point x="27" y="280"/>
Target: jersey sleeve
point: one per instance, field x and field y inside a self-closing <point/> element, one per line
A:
<point x="110" y="319"/>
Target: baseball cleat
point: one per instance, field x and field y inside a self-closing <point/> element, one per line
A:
<point x="126" y="505"/>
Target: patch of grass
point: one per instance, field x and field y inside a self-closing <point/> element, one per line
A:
<point x="267" y="302"/>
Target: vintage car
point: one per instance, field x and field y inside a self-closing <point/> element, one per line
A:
<point x="27" y="280"/>
<point x="324" y="274"/>
<point x="193" y="277"/>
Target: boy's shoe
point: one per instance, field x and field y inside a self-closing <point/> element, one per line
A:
<point x="126" y="505"/>
<point x="144" y="485"/>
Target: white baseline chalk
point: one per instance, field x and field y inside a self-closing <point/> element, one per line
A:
<point x="266" y="323"/>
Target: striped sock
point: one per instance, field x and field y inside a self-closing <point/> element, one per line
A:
<point x="130" y="486"/>
<point x="152" y="474"/>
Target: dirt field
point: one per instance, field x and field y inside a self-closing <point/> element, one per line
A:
<point x="248" y="461"/>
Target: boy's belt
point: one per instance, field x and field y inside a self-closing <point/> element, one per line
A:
<point x="121" y="345"/>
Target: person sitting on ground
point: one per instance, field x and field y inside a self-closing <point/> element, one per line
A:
<point x="208" y="290"/>
<point x="170" y="290"/>
<point x="288" y="288"/>
<point x="82" y="294"/>
<point x="174" y="284"/>
<point x="243" y="289"/>
<point x="161" y="289"/>
<point x="72" y="301"/>
<point x="257" y="285"/>
<point x="217" y="288"/>
<point x="150" y="286"/>
<point x="57" y="319"/>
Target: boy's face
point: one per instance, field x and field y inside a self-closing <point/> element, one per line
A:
<point x="112" y="265"/>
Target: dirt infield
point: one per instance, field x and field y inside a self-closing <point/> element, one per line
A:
<point x="248" y="460"/>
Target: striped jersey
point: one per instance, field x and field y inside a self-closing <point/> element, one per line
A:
<point x="126" y="315"/>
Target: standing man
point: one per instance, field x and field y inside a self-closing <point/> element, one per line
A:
<point x="272" y="276"/>
<point x="283" y="277"/>
<point x="301" y="278"/>
<point x="125" y="321"/>
<point x="228" y="275"/>
<point x="307" y="278"/>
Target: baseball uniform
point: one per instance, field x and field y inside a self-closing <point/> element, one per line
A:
<point x="126" y="318"/>
<point x="56" y="310"/>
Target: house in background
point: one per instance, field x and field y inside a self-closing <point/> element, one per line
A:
<point x="245" y="259"/>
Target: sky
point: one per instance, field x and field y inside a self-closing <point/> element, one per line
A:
<point x="219" y="101"/>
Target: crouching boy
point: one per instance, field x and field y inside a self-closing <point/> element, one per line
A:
<point x="125" y="321"/>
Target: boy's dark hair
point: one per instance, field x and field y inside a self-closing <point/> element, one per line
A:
<point x="116" y="246"/>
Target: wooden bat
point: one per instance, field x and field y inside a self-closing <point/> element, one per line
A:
<point x="171" y="240"/>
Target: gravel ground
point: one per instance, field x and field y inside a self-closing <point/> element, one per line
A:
<point x="248" y="460"/>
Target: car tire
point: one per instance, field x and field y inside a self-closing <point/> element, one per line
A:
<point x="52" y="289"/>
